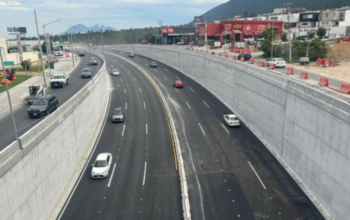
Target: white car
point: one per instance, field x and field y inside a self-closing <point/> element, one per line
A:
<point x="231" y="120"/>
<point x="102" y="165"/>
<point x="279" y="62"/>
<point x="115" y="72"/>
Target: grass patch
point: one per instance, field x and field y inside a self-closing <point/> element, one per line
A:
<point x="33" y="69"/>
<point x="14" y="83"/>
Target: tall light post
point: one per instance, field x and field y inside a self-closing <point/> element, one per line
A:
<point x="48" y="45"/>
<point x="289" y="37"/>
<point x="41" y="51"/>
<point x="161" y="32"/>
<point x="9" y="99"/>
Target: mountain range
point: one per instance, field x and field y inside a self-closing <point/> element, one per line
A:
<point x="240" y="7"/>
<point x="82" y="28"/>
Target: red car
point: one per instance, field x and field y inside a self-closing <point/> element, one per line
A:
<point x="178" y="84"/>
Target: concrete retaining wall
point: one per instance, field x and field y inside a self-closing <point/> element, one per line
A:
<point x="305" y="129"/>
<point x="32" y="180"/>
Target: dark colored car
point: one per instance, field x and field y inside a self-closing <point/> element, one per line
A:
<point x="131" y="55"/>
<point x="44" y="105"/>
<point x="82" y="54"/>
<point x="246" y="56"/>
<point x="153" y="64"/>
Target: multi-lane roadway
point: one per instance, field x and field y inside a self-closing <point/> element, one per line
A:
<point x="24" y="123"/>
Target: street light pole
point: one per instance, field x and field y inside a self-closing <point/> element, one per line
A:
<point x="71" y="45"/>
<point x="289" y="37"/>
<point x="50" y="60"/>
<point x="161" y="24"/>
<point x="41" y="51"/>
<point x="9" y="99"/>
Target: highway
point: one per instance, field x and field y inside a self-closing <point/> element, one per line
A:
<point x="143" y="182"/>
<point x="24" y="123"/>
<point x="231" y="175"/>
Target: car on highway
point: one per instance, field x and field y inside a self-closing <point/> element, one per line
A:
<point x="178" y="84"/>
<point x="131" y="55"/>
<point x="246" y="56"/>
<point x="93" y="61"/>
<point x="81" y="54"/>
<point x="101" y="166"/>
<point x="153" y="64"/>
<point x="231" y="120"/>
<point x="59" y="80"/>
<point x="279" y="62"/>
<point x="44" y="105"/>
<point x="86" y="73"/>
<point x="118" y="115"/>
<point x="115" y="72"/>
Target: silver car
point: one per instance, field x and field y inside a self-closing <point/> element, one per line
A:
<point x="118" y="115"/>
<point x="86" y="73"/>
<point x="102" y="165"/>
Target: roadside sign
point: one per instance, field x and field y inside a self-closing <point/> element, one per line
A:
<point x="21" y="30"/>
<point x="9" y="63"/>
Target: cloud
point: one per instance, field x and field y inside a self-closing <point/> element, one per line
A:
<point x="181" y="2"/>
<point x="11" y="5"/>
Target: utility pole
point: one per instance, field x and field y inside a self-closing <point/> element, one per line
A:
<point x="41" y="51"/>
<point x="273" y="33"/>
<point x="161" y="24"/>
<point x="205" y="35"/>
<point x="289" y="37"/>
<point x="71" y="46"/>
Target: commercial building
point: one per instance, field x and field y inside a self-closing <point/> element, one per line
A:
<point x="173" y="35"/>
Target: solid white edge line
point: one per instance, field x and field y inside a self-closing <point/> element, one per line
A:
<point x="191" y="89"/>
<point x="86" y="165"/>
<point x="206" y="104"/>
<point x="123" y="130"/>
<point x="126" y="105"/>
<point x="188" y="105"/>
<point x="225" y="128"/>
<point x="201" y="128"/>
<point x="110" y="179"/>
<point x="257" y="175"/>
<point x="140" y="89"/>
<point x="144" y="174"/>
<point x="146" y="129"/>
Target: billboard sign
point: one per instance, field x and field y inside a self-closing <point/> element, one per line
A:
<point x="170" y="30"/>
<point x="197" y="19"/>
<point x="21" y="30"/>
<point x="164" y="30"/>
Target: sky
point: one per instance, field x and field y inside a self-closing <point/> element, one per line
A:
<point x="120" y="14"/>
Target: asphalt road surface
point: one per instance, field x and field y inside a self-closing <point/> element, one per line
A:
<point x="24" y="123"/>
<point x="143" y="182"/>
<point x="231" y="175"/>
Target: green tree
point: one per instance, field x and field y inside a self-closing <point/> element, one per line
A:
<point x="26" y="64"/>
<point x="246" y="14"/>
<point x="284" y="37"/>
<point x="311" y="34"/>
<point x="321" y="32"/>
<point x="265" y="46"/>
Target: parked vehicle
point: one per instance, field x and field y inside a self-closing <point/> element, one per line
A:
<point x="246" y="56"/>
<point x="59" y="80"/>
<point x="232" y="120"/>
<point x="304" y="60"/>
<point x="279" y="62"/>
<point x="118" y="115"/>
<point x="44" y="105"/>
<point x="86" y="73"/>
<point x="101" y="166"/>
<point x="34" y="93"/>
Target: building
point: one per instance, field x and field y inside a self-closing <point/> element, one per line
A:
<point x="10" y="53"/>
<point x="240" y="29"/>
<point x="173" y="35"/>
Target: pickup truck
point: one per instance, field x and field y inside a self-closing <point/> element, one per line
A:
<point x="59" y="80"/>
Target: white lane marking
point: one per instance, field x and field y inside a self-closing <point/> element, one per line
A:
<point x="122" y="65"/>
<point x="191" y="89"/>
<point x="165" y="78"/>
<point x="123" y="130"/>
<point x="137" y="60"/>
<point x="134" y="79"/>
<point x="144" y="105"/>
<point x="145" y="59"/>
<point x="145" y="64"/>
<point x="129" y="71"/>
<point x="126" y="105"/>
<point x="92" y="152"/>
<point x="166" y="70"/>
<point x="110" y="179"/>
<point x="155" y="70"/>
<point x="188" y="105"/>
<point x="201" y="128"/>
<point x="125" y="91"/>
<point x="146" y="129"/>
<point x="225" y="128"/>
<point x="206" y="104"/>
<point x="144" y="174"/>
<point x="140" y="89"/>
<point x="177" y="78"/>
<point x="121" y="79"/>
<point x="257" y="175"/>
<point x="177" y="90"/>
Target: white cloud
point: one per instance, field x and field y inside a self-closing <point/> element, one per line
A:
<point x="11" y="5"/>
<point x="184" y="2"/>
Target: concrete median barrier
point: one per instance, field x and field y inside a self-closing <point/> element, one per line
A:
<point x="306" y="130"/>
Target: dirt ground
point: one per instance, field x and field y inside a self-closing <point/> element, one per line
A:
<point x="341" y="72"/>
